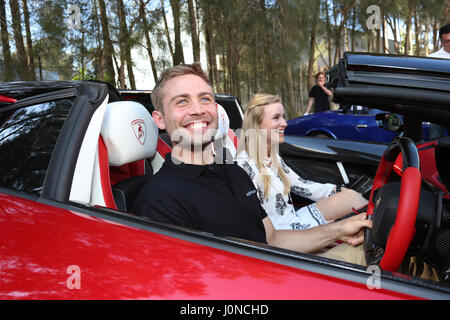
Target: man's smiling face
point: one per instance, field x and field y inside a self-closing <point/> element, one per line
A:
<point x="190" y="110"/>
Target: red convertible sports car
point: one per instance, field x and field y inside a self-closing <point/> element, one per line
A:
<point x="74" y="155"/>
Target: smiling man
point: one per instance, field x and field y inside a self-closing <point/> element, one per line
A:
<point x="186" y="109"/>
<point x="191" y="190"/>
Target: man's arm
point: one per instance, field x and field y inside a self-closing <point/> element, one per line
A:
<point x="315" y="239"/>
<point x="310" y="103"/>
<point x="328" y="92"/>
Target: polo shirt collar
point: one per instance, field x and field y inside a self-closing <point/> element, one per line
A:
<point x="190" y="171"/>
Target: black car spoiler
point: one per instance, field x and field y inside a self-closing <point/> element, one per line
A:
<point x="401" y="84"/>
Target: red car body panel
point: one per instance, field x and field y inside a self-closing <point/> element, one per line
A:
<point x="7" y="99"/>
<point x="41" y="244"/>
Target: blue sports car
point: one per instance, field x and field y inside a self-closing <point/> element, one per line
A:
<point x="357" y="123"/>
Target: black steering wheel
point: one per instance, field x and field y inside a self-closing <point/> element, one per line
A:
<point x="403" y="230"/>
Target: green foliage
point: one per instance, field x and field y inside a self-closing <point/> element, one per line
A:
<point x="85" y="75"/>
<point x="254" y="45"/>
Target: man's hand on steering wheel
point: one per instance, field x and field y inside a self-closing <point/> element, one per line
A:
<point x="352" y="229"/>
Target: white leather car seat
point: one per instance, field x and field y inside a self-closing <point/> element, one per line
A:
<point x="128" y="137"/>
<point x="225" y="137"/>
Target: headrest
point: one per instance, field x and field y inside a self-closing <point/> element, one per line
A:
<point x="223" y="123"/>
<point x="129" y="132"/>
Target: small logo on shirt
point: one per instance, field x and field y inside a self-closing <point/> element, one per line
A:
<point x="248" y="194"/>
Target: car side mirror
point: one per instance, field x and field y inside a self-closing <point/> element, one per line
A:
<point x="389" y="121"/>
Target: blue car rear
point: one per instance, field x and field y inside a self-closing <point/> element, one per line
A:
<point x="356" y="123"/>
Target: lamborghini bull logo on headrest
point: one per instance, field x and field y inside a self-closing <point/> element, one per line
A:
<point x="139" y="130"/>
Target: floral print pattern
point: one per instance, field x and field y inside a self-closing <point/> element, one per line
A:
<point x="278" y="205"/>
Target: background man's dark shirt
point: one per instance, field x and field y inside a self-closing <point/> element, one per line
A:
<point x="321" y="101"/>
<point x="217" y="198"/>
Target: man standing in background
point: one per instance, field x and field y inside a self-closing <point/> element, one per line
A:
<point x="444" y="36"/>
<point x="319" y="95"/>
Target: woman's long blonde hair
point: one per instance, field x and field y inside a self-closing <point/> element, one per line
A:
<point x="254" y="143"/>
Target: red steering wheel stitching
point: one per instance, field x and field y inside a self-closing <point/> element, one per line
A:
<point x="403" y="230"/>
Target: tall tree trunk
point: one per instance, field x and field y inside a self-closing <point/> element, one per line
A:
<point x="130" y="72"/>
<point x="337" y="35"/>
<point x="425" y="40"/>
<point x="125" y="45"/>
<point x="435" y="35"/>
<point x="353" y="28"/>
<point x="23" y="68"/>
<point x="40" y="68"/>
<point x="26" y="16"/>
<point x="233" y="47"/>
<point x="346" y="40"/>
<point x="378" y="37"/>
<point x="210" y="46"/>
<point x="166" y="29"/>
<point x="384" y="31"/>
<point x="194" y="31"/>
<point x="107" y="59"/>
<point x="312" y="45"/>
<point x="408" y="28"/>
<point x="121" y="69"/>
<point x="300" y="89"/>
<point x="147" y="39"/>
<point x="99" y="71"/>
<point x="230" y="63"/>
<point x="288" y="78"/>
<point x="9" y="73"/>
<point x="327" y="19"/>
<point x="83" y="31"/>
<point x="397" y="47"/>
<point x="417" y="31"/>
<point x="268" y="71"/>
<point x="178" y="56"/>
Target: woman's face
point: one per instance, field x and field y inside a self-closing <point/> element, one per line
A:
<point x="274" y="123"/>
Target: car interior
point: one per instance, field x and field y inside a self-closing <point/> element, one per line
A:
<point x="122" y="163"/>
<point x="122" y="148"/>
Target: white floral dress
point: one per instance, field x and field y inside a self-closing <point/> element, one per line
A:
<point x="277" y="205"/>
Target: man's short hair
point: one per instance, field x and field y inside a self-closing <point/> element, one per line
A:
<point x="170" y="73"/>
<point x="444" y="30"/>
<point x="318" y="74"/>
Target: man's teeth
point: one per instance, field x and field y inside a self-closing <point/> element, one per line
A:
<point x="197" y="125"/>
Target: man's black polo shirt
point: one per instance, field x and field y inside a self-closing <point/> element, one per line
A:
<point x="216" y="198"/>
<point x="321" y="102"/>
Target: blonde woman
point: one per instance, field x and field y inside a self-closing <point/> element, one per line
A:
<point x="262" y="132"/>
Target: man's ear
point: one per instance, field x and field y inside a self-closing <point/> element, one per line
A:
<point x="159" y="119"/>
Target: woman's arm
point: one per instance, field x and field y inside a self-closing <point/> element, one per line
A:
<point x="307" y="188"/>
